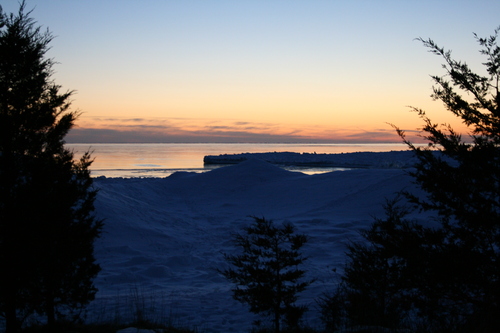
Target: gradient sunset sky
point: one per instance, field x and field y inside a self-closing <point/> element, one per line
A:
<point x="255" y="71"/>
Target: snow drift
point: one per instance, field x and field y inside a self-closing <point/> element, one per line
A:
<point x="165" y="236"/>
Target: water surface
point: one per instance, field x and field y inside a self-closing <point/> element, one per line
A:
<point x="162" y="159"/>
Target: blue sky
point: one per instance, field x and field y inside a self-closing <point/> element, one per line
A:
<point x="234" y="71"/>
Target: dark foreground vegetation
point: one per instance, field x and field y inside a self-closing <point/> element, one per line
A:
<point x="267" y="272"/>
<point x="404" y="276"/>
<point x="47" y="226"/>
<point x="444" y="278"/>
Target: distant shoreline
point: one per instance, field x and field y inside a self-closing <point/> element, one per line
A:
<point x="392" y="159"/>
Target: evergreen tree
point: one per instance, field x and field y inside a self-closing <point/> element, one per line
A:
<point x="266" y="273"/>
<point x="446" y="277"/>
<point x="399" y="274"/>
<point x="462" y="181"/>
<point x="47" y="229"/>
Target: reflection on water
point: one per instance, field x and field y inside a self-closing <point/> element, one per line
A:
<point x="161" y="160"/>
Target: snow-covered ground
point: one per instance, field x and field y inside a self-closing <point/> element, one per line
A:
<point x="163" y="237"/>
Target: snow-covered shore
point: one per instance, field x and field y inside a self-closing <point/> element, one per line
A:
<point x="393" y="159"/>
<point x="164" y="237"/>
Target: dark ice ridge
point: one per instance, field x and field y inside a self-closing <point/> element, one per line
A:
<point x="385" y="160"/>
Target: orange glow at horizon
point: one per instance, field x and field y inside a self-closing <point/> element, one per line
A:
<point x="164" y="129"/>
<point x="246" y="71"/>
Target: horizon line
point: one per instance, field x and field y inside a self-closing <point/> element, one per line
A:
<point x="248" y="142"/>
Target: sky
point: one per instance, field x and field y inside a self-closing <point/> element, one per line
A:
<point x="255" y="71"/>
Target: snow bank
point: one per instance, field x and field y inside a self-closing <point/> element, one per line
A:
<point x="393" y="159"/>
<point x="164" y="237"/>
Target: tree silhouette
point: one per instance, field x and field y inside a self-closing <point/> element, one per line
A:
<point x="47" y="228"/>
<point x="266" y="273"/>
<point x="446" y="277"/>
